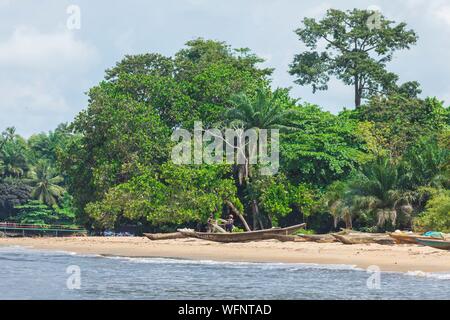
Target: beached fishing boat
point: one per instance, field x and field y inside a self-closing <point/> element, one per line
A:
<point x="363" y="238"/>
<point x="435" y="243"/>
<point x="164" y="236"/>
<point x="411" y="238"/>
<point x="244" y="236"/>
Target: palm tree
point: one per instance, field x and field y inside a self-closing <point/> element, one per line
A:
<point x="337" y="203"/>
<point x="376" y="188"/>
<point x="46" y="184"/>
<point x="264" y="111"/>
<point x="13" y="161"/>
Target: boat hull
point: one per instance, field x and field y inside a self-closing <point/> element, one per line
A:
<point x="409" y="238"/>
<point x="245" y="236"/>
<point x="435" y="243"/>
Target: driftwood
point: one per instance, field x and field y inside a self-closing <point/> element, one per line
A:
<point x="321" y="238"/>
<point x="165" y="236"/>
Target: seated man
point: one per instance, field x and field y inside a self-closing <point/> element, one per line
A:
<point x="230" y="224"/>
<point x="210" y="223"/>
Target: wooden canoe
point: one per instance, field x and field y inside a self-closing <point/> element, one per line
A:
<point x="409" y="238"/>
<point x="244" y="236"/>
<point x="364" y="239"/>
<point x="164" y="236"/>
<point x="435" y="243"/>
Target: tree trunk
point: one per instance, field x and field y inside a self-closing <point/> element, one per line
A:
<point x="254" y="215"/>
<point x="218" y="228"/>
<point x="357" y="93"/>
<point x="236" y="212"/>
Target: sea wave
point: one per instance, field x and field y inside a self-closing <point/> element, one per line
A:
<point x="433" y="275"/>
<point x="290" y="267"/>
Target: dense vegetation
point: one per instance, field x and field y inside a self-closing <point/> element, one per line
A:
<point x="382" y="166"/>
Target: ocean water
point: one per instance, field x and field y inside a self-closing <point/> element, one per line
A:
<point x="37" y="274"/>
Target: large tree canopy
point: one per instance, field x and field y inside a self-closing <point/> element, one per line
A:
<point x="132" y="113"/>
<point x="355" y="51"/>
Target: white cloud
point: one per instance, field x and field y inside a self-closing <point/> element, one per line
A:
<point x="442" y="13"/>
<point x="31" y="97"/>
<point x="30" y="49"/>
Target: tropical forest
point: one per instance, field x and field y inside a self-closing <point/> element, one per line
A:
<point x="380" y="164"/>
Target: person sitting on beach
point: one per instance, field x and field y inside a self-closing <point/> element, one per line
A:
<point x="211" y="221"/>
<point x="230" y="224"/>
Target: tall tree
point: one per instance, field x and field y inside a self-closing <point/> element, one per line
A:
<point x="266" y="110"/>
<point x="13" y="155"/>
<point x="356" y="51"/>
<point x="46" y="182"/>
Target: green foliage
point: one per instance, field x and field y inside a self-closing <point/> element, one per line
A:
<point x="13" y="155"/>
<point x="374" y="168"/>
<point x="399" y="122"/>
<point x="376" y="188"/>
<point x="176" y="194"/>
<point x="46" y="183"/>
<point x="424" y="165"/>
<point x="266" y="110"/>
<point x="355" y="53"/>
<point x="437" y="213"/>
<point x="37" y="212"/>
<point x="322" y="149"/>
<point x="278" y="197"/>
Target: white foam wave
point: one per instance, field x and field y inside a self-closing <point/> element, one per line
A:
<point x="290" y="267"/>
<point x="434" y="275"/>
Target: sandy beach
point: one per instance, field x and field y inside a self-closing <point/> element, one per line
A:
<point x="402" y="258"/>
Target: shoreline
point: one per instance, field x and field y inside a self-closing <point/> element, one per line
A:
<point x="397" y="258"/>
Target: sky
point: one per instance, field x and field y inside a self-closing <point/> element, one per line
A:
<point x="48" y="61"/>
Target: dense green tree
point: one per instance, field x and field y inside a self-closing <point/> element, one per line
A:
<point x="132" y="113"/>
<point x="323" y="148"/>
<point x="437" y="213"/>
<point x="399" y="122"/>
<point x="424" y="165"/>
<point x="176" y="194"/>
<point x="37" y="212"/>
<point x="46" y="146"/>
<point x="356" y="51"/>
